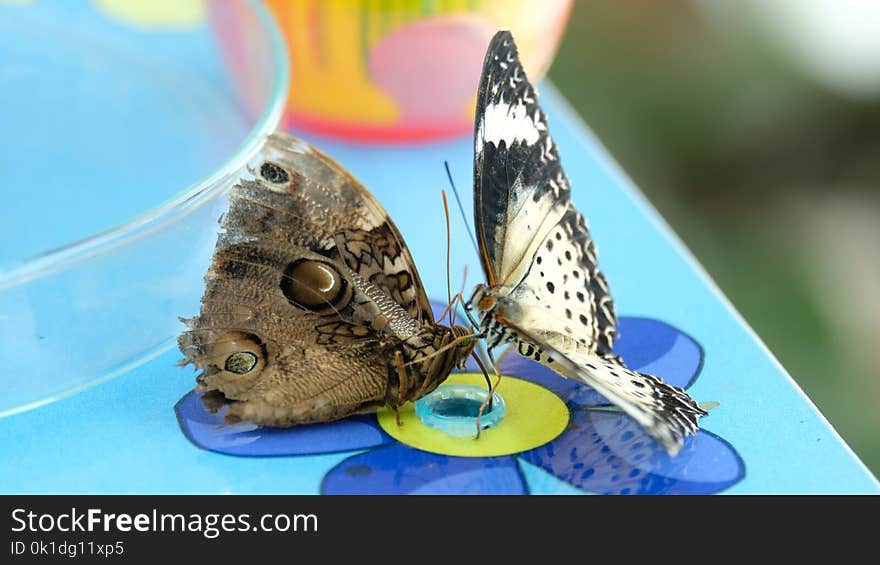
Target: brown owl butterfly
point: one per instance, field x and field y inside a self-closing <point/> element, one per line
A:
<point x="313" y="309"/>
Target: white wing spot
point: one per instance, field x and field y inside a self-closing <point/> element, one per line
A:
<point x="508" y="123"/>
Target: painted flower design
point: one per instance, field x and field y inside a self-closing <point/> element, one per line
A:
<point x="599" y="451"/>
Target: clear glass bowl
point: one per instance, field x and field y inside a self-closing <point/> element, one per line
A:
<point x="123" y="126"/>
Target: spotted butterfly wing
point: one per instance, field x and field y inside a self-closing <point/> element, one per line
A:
<point x="545" y="292"/>
<point x="313" y="309"/>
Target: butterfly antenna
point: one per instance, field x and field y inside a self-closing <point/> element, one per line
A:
<point x="485" y="376"/>
<point x="459" y="298"/>
<point x="463" y="283"/>
<point x="481" y="252"/>
<point x="492" y="387"/>
<point x="461" y="207"/>
<point x="448" y="261"/>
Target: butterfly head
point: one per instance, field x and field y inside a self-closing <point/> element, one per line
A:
<point x="464" y="341"/>
<point x="430" y="355"/>
<point x="482" y="300"/>
<point x="492" y="305"/>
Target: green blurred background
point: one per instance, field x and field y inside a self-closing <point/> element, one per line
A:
<point x="754" y="128"/>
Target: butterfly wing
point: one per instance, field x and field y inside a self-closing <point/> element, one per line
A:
<point x="666" y="412"/>
<point x="533" y="242"/>
<point x="539" y="258"/>
<point x="331" y="202"/>
<point x="309" y="283"/>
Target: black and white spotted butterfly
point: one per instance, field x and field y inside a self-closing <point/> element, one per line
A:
<point x="545" y="293"/>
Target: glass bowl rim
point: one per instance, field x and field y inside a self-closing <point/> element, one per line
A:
<point x="192" y="196"/>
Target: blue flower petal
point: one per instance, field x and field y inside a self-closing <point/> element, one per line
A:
<point x="208" y="431"/>
<point x="656" y="348"/>
<point x="399" y="469"/>
<point x="609" y="453"/>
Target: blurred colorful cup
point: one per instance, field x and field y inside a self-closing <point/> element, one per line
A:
<point x="404" y="70"/>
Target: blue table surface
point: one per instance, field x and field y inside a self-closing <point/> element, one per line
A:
<point x="123" y="436"/>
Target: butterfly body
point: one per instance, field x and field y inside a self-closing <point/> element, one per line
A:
<point x="313" y="309"/>
<point x="545" y="294"/>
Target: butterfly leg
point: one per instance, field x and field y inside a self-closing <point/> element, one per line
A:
<point x="403" y="383"/>
<point x="485" y="374"/>
<point x="490" y="398"/>
<point x="457" y="298"/>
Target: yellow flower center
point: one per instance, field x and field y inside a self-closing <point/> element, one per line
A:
<point x="533" y="417"/>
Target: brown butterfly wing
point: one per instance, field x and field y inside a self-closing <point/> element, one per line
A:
<point x="322" y="205"/>
<point x="310" y="292"/>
